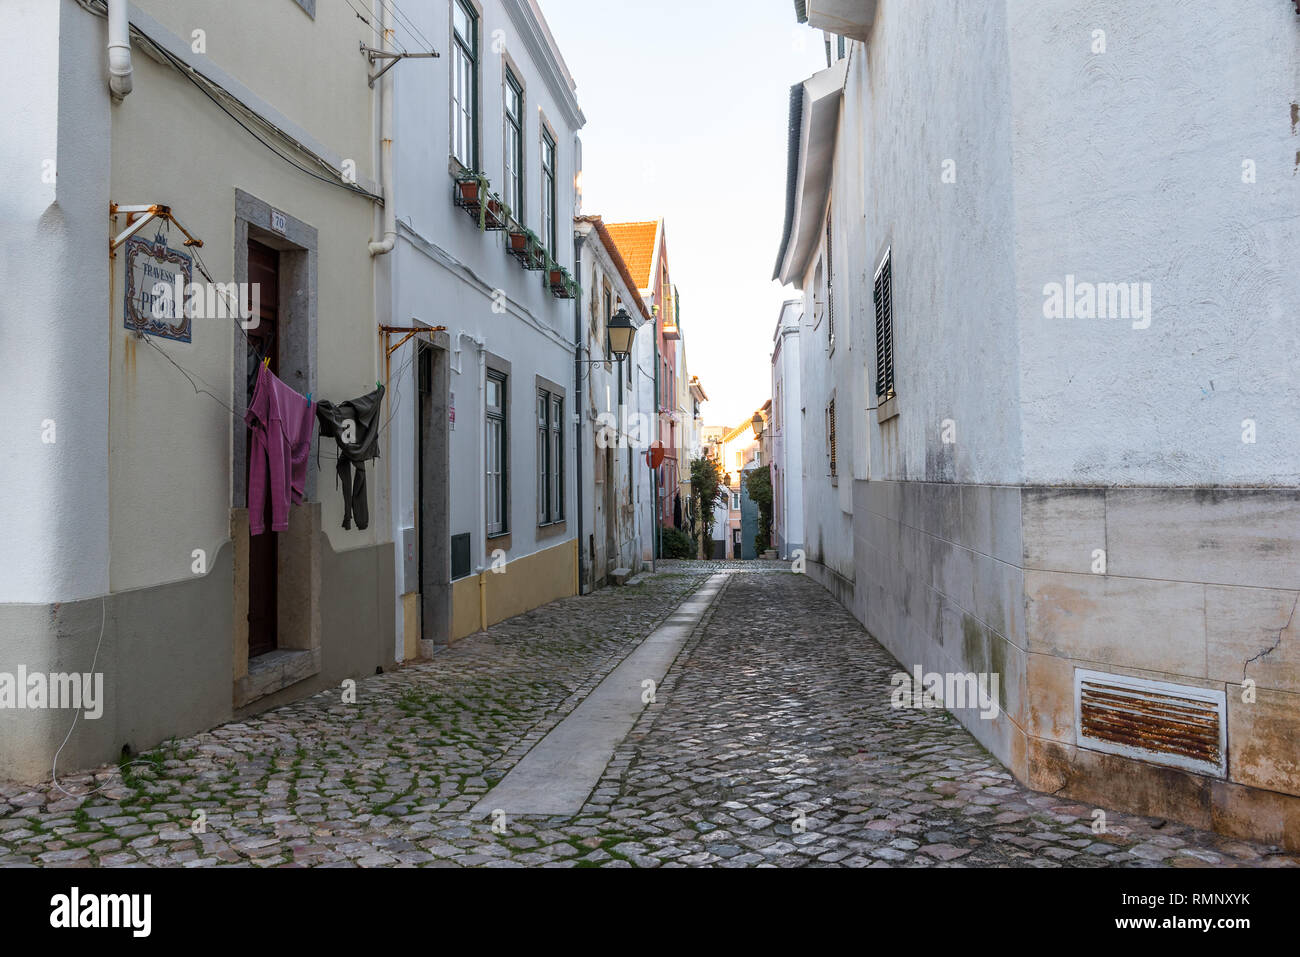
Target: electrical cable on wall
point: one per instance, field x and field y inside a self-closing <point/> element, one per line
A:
<point x="408" y="25"/>
<point x="54" y="767"/>
<point x="366" y="20"/>
<point x="98" y="8"/>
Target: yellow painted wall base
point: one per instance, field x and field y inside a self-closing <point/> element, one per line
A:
<point x="522" y="585"/>
<point x="464" y="607"/>
<point x="411" y="626"/>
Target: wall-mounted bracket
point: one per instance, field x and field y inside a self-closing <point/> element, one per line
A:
<point x="147" y="215"/>
<point x="392" y="57"/>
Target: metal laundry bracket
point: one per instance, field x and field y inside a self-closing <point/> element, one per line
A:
<point x="155" y="211"/>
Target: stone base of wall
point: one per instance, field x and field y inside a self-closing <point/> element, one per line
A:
<point x="522" y="585"/>
<point x="168" y="659"/>
<point x="1196" y="588"/>
<point x="839" y="586"/>
<point x="357" y="622"/>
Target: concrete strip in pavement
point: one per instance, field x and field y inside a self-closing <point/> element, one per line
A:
<point x="557" y="775"/>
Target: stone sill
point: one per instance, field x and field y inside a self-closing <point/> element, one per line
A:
<point x="275" y="671"/>
<point x="552" y="529"/>
<point x="887" y="410"/>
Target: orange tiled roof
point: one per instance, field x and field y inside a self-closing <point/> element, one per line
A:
<point x="636" y="244"/>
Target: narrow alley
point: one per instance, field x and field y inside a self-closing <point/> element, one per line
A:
<point x="771" y="741"/>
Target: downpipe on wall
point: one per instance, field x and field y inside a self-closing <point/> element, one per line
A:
<point x="119" y="50"/>
<point x="386" y="148"/>
<point x="578" y="405"/>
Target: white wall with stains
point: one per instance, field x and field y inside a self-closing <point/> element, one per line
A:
<point x="1132" y="165"/>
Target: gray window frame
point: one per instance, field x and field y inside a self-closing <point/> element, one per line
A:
<point x="513" y="123"/>
<point x="550" y="219"/>
<point x="466" y="48"/>
<point x="497" y="483"/>
<point x="550" y="455"/>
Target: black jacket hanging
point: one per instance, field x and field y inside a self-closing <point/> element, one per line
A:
<point x="363" y="413"/>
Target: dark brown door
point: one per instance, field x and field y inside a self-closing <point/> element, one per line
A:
<point x="263" y="341"/>
<point x="611" y="513"/>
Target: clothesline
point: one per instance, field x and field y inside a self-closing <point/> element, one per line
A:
<point x="232" y="311"/>
<point x="191" y="377"/>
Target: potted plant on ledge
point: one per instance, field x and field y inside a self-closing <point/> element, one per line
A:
<point x="495" y="215"/>
<point x="562" y="285"/>
<point x="473" y="194"/>
<point x="526" y="246"/>
<point x="471" y="187"/>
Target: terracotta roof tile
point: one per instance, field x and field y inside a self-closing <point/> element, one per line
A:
<point x="636" y="244"/>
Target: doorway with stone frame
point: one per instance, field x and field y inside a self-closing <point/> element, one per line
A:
<point x="277" y="633"/>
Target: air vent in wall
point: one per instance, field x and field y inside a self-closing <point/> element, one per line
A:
<point x="1153" y="721"/>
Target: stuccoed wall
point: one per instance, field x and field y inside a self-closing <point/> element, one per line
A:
<point x="1129" y="168"/>
<point x="787" y="440"/>
<point x="54" y="317"/>
<point x="938" y="87"/>
<point x="171" y="485"/>
<point x="445" y="271"/>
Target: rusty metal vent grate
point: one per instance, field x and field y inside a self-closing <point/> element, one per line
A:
<point x="1154" y="721"/>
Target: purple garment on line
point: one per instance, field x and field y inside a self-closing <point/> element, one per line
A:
<point x="281" y="422"/>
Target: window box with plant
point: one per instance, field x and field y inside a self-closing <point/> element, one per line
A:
<point x="526" y="246"/>
<point x="474" y="195"/>
<point x="562" y="285"/>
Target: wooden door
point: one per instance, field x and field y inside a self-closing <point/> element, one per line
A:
<point x="611" y="513"/>
<point x="263" y="555"/>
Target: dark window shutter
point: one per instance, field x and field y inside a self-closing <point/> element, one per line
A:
<point x="884" y="298"/>
<point x="830" y="432"/>
<point x="830" y="285"/>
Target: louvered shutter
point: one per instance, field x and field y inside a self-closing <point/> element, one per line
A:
<point x="883" y="295"/>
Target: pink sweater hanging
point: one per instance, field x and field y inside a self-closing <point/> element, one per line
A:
<point x="281" y="422"/>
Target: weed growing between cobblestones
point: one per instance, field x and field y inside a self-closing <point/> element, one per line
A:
<point x="777" y="706"/>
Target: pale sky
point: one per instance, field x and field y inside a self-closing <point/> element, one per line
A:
<point x="687" y="104"/>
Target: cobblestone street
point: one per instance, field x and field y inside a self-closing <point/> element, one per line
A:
<point x="770" y="743"/>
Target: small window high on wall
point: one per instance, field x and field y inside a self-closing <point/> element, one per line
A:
<point x="883" y="293"/>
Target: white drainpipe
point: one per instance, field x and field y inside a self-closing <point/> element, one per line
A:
<point x="386" y="148"/>
<point x="481" y="415"/>
<point x="119" y="49"/>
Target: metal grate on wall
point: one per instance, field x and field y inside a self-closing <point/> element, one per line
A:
<point x="460" y="558"/>
<point x="1155" y="721"/>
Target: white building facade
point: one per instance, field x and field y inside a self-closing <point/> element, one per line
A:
<point x="482" y="443"/>
<point x="1052" y="319"/>
<point x="785" y="433"/>
<point x="132" y="555"/>
<point x="617" y="426"/>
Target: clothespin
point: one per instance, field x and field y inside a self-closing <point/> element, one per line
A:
<point x="309" y="398"/>
<point x="377" y="384"/>
<point x="267" y="362"/>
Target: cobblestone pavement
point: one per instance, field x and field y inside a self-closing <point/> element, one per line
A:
<point x="771" y="742"/>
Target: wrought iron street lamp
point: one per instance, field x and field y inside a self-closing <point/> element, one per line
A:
<point x="621" y="332"/>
